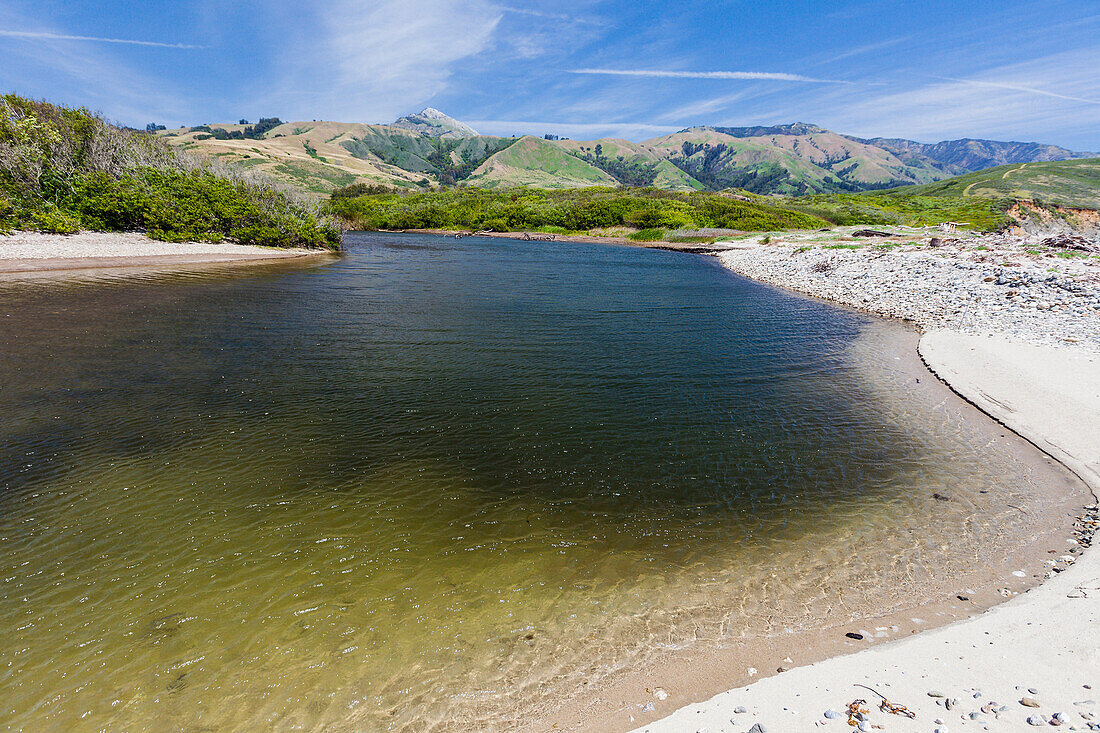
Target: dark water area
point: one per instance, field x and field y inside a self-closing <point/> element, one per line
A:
<point x="439" y="481"/>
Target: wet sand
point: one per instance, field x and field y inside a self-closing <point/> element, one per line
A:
<point x="636" y="696"/>
<point x="1030" y="662"/>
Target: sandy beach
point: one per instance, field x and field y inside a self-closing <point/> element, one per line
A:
<point x="1033" y="661"/>
<point x="31" y="252"/>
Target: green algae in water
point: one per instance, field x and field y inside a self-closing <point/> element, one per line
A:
<point x="437" y="483"/>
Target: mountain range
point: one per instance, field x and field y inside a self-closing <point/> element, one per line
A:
<point x="430" y="148"/>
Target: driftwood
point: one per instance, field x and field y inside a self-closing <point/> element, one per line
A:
<point x="1070" y="241"/>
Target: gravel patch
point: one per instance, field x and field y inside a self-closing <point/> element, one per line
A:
<point x="1024" y="287"/>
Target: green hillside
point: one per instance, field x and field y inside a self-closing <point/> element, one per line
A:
<point x="537" y="163"/>
<point x="430" y="149"/>
<point x="797" y="159"/>
<point x="1066" y="182"/>
<point x="632" y="164"/>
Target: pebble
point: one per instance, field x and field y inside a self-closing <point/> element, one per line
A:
<point x="935" y="693"/>
<point x="1029" y="702"/>
<point x="758" y="728"/>
<point x="740" y="709"/>
<point x="946" y="287"/>
<point x="832" y="714"/>
<point x="1035" y="720"/>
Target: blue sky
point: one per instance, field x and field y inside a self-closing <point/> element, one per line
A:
<point x="928" y="70"/>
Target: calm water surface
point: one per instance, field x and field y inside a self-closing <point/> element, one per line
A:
<point x="437" y="483"/>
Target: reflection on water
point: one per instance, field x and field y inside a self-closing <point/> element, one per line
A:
<point x="436" y="483"/>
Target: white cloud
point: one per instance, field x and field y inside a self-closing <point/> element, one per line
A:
<point x="39" y="36"/>
<point x="382" y="58"/>
<point x="669" y="74"/>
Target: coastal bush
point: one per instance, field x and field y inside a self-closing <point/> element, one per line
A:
<point x="571" y="210"/>
<point x="63" y="169"/>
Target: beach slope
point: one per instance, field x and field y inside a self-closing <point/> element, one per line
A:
<point x="1041" y="648"/>
<point x="37" y="252"/>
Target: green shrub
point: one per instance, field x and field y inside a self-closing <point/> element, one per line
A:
<point x="63" y="169"/>
<point x="647" y="235"/>
<point x="53" y="220"/>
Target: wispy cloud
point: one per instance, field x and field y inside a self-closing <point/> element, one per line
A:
<point x="1054" y="94"/>
<point x="668" y="74"/>
<point x="630" y="130"/>
<point x="696" y="109"/>
<point x="85" y="74"/>
<point x="549" y="16"/>
<point x="860" y="50"/>
<point x="381" y="58"/>
<point x="1019" y="88"/>
<point x="41" y="36"/>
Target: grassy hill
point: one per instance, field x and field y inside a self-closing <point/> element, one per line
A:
<point x="429" y="149"/>
<point x="967" y="155"/>
<point x="62" y="170"/>
<point x="795" y="159"/>
<point x="537" y="163"/>
<point x="1067" y="182"/>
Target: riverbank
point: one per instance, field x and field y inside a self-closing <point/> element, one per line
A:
<point x="32" y="252"/>
<point x="1026" y="663"/>
<point x="1034" y="660"/>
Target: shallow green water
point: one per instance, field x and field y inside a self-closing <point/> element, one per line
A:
<point x="438" y="483"/>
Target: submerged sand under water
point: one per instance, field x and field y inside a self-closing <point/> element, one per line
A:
<point x="438" y="485"/>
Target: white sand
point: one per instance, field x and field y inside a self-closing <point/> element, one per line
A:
<point x="1047" y="639"/>
<point x="34" y="251"/>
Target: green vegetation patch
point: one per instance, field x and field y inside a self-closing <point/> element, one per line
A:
<point x="647" y="235"/>
<point x="581" y="209"/>
<point x="901" y="206"/>
<point x="63" y="170"/>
